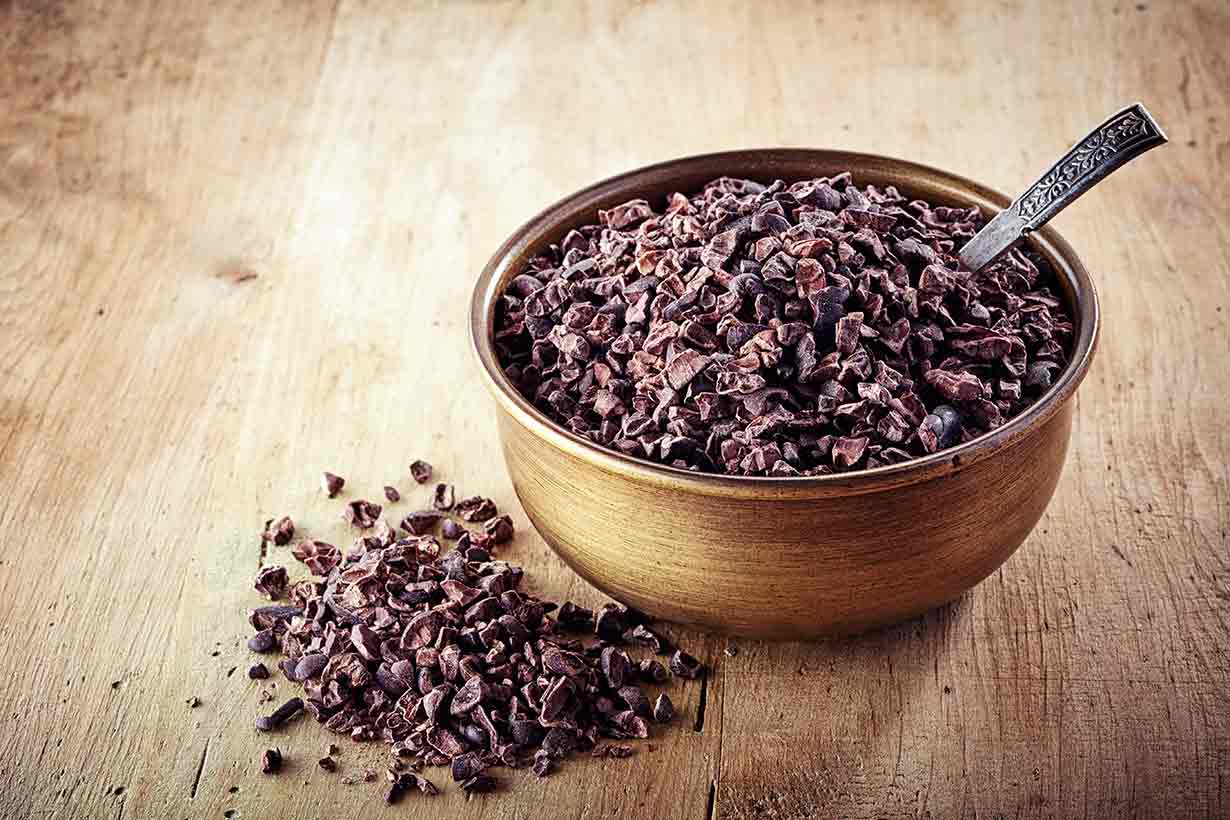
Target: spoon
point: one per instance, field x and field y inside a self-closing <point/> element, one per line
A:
<point x="1123" y="137"/>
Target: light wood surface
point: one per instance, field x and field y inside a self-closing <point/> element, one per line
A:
<point x="236" y="243"/>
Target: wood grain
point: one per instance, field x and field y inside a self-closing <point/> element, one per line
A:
<point x="236" y="241"/>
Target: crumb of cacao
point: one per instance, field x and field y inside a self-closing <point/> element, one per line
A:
<point x="331" y="484"/>
<point x="271" y="761"/>
<point x="420" y="471"/>
<point x="280" y="715"/>
<point x="279" y="531"/>
<point x="361" y="513"/>
<point x="272" y="582"/>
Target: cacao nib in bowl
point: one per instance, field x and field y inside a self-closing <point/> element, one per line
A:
<point x="782" y="330"/>
<point x="809" y="554"/>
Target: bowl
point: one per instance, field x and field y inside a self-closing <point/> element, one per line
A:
<point x="791" y="557"/>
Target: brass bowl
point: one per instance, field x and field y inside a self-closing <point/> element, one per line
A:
<point x="783" y="557"/>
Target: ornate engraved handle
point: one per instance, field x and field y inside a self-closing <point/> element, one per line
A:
<point x="1125" y="136"/>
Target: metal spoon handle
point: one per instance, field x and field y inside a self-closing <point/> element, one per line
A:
<point x="1124" y="136"/>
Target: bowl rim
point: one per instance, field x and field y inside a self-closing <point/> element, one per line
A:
<point x="628" y="184"/>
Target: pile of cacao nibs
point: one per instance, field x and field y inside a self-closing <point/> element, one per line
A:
<point x="440" y="655"/>
<point x="780" y="330"/>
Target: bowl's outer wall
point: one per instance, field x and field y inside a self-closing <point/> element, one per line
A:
<point x="781" y="567"/>
<point x="783" y="558"/>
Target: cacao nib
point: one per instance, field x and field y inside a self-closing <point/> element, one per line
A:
<point x="476" y="508"/>
<point x="684" y="665"/>
<point x="444" y="658"/>
<point x="647" y="637"/>
<point x="280" y="715"/>
<point x="780" y="330"/>
<point x="611" y="623"/>
<point x="499" y="529"/>
<point x="420" y="471"/>
<point x="273" y="617"/>
<point x="280" y="531"/>
<point x="263" y="641"/>
<point x="271" y="761"/>
<point x="362" y="514"/>
<point x="652" y="671"/>
<point x="272" y="582"/>
<point x="543" y="764"/>
<point x="479" y="783"/>
<point x="466" y="766"/>
<point x="663" y="709"/>
<point x="319" y="556"/>
<point x="421" y="522"/>
<point x="331" y="484"/>
<point x="443" y="497"/>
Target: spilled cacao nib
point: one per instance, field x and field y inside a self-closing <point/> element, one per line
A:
<point x="362" y="514"/>
<point x="420" y="471"/>
<point x="271" y="761"/>
<point x="272" y="582"/>
<point x="442" y="655"/>
<point x="279" y="531"/>
<point x="331" y="484"/>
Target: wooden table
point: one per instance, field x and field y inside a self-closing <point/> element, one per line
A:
<point x="236" y="244"/>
